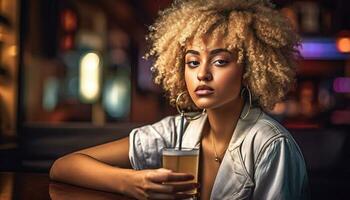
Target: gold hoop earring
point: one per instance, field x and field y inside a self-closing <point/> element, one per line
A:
<point x="190" y="116"/>
<point x="250" y="101"/>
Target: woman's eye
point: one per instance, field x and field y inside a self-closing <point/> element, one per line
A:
<point x="220" y="62"/>
<point x="192" y="63"/>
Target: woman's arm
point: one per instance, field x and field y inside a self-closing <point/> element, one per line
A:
<point x="93" y="167"/>
<point x="107" y="167"/>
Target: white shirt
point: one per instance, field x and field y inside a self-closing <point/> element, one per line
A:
<point x="263" y="161"/>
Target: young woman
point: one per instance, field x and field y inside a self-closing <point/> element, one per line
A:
<point x="235" y="59"/>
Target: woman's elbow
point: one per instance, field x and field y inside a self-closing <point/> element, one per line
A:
<point x="63" y="165"/>
<point x="60" y="166"/>
<point x="55" y="168"/>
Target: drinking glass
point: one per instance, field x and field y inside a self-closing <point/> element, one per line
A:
<point x="185" y="161"/>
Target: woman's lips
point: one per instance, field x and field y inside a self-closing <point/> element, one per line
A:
<point x="204" y="90"/>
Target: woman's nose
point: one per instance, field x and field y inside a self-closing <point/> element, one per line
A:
<point x="204" y="74"/>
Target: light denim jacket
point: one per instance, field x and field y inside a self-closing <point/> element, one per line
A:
<point x="262" y="161"/>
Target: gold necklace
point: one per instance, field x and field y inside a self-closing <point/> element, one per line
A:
<point x="217" y="157"/>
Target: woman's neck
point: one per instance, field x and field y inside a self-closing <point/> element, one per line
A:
<point x="223" y="120"/>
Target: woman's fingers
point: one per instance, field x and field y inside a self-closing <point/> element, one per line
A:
<point x="184" y="187"/>
<point x="179" y="177"/>
<point x="164" y="175"/>
<point x="171" y="188"/>
<point x="165" y="184"/>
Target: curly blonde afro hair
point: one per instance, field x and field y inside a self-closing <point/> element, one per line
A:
<point x="263" y="38"/>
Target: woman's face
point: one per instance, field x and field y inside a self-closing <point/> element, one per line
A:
<point x="213" y="78"/>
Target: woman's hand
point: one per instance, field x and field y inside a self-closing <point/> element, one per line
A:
<point x="159" y="184"/>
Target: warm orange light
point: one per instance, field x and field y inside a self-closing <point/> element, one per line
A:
<point x="12" y="50"/>
<point x="67" y="42"/>
<point x="343" y="44"/>
<point x="279" y="109"/>
<point x="69" y="20"/>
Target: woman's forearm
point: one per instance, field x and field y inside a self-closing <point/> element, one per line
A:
<point x="83" y="170"/>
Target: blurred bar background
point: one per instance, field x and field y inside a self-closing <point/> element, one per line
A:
<point x="72" y="76"/>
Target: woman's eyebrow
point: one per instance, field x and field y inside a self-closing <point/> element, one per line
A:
<point x="212" y="52"/>
<point x="216" y="51"/>
<point x="192" y="52"/>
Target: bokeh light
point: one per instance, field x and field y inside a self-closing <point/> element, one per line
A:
<point x="50" y="93"/>
<point x="343" y="44"/>
<point x="341" y="85"/>
<point x="89" y="87"/>
<point x="116" y="97"/>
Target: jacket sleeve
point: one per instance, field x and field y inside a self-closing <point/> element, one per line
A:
<point x="147" y="142"/>
<point x="280" y="172"/>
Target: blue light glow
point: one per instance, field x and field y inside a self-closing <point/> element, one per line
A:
<point x="321" y="49"/>
<point x="50" y="93"/>
<point x="117" y="97"/>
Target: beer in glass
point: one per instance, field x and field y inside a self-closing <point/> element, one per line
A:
<point x="184" y="161"/>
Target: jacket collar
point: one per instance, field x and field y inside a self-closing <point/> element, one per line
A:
<point x="243" y="125"/>
<point x="192" y="135"/>
<point x="231" y="169"/>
